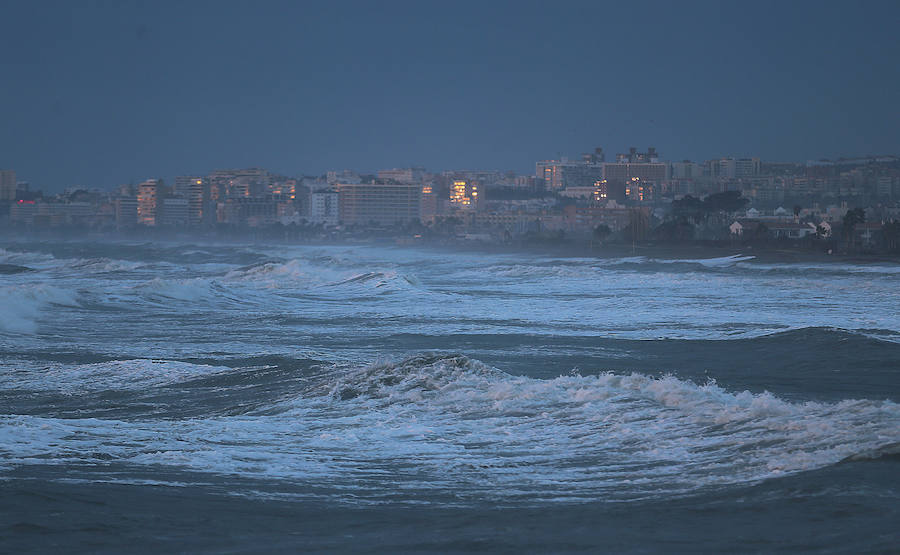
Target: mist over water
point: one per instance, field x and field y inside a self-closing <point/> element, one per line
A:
<point x="376" y="379"/>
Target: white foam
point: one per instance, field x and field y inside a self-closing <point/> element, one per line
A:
<point x="718" y="262"/>
<point x="461" y="427"/>
<point x="22" y="306"/>
<point x="117" y="375"/>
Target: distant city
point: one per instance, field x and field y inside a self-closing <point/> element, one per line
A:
<point x="849" y="205"/>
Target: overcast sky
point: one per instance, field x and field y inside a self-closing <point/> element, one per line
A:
<point x="103" y="93"/>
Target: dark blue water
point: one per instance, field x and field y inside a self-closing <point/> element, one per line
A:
<point x="253" y="398"/>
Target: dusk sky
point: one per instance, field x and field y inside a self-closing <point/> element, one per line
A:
<point x="103" y="93"/>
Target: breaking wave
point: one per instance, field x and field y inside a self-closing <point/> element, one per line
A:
<point x="23" y="305"/>
<point x="718" y="262"/>
<point x="450" y="425"/>
<point x="83" y="266"/>
<point x="102" y="265"/>
<point x="277" y="274"/>
<point x="307" y="275"/>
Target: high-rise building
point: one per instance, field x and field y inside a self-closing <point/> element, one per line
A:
<point x="23" y="212"/>
<point x="175" y="211"/>
<point x="621" y="172"/>
<point x="245" y="183"/>
<point x="746" y="167"/>
<point x="733" y="168"/>
<point x="379" y="203"/>
<point x="183" y="184"/>
<point x="429" y="203"/>
<point x="196" y="190"/>
<point x="126" y="211"/>
<point x="324" y="207"/>
<point x="466" y="194"/>
<point x="565" y="173"/>
<point x="7" y="185"/>
<point x="639" y="190"/>
<point x="148" y="202"/>
<point x="686" y="170"/>
<point x="885" y="186"/>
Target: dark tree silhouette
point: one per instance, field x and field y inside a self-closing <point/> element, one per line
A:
<point x="851" y="218"/>
<point x="674" y="230"/>
<point x="761" y="232"/>
<point x="690" y="208"/>
<point x="697" y="211"/>
<point x="727" y="201"/>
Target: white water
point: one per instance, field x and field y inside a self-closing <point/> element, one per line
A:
<point x="452" y="427"/>
<point x="458" y="293"/>
<point x="455" y="425"/>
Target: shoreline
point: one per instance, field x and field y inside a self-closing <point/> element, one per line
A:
<point x="563" y="249"/>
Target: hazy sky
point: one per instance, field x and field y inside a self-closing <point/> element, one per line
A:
<point x="102" y="93"/>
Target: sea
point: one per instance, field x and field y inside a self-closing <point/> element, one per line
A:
<point x="242" y="398"/>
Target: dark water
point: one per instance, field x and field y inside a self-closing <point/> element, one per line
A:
<point x="248" y="398"/>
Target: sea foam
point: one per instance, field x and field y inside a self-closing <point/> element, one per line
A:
<point x="22" y="306"/>
<point x="457" y="425"/>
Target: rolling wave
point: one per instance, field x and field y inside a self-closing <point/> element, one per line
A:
<point x="22" y="305"/>
<point x="438" y="424"/>
<point x="320" y="274"/>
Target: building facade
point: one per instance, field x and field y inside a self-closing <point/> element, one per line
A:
<point x="562" y="174"/>
<point x="7" y="185"/>
<point x="379" y="203"/>
<point x="148" y="197"/>
<point x="466" y="194"/>
<point x="324" y="207"/>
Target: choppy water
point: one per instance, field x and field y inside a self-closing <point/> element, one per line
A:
<point x="702" y="404"/>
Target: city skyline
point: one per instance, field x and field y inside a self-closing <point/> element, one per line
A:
<point x="105" y="94"/>
<point x="672" y="166"/>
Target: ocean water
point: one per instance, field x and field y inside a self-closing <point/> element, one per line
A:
<point x="210" y="397"/>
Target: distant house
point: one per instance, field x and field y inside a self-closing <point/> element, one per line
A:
<point x="791" y="230"/>
<point x="776" y="229"/>
<point x="747" y="226"/>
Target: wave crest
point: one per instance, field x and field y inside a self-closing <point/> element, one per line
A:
<point x="417" y="374"/>
<point x="457" y="426"/>
<point x="23" y="305"/>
